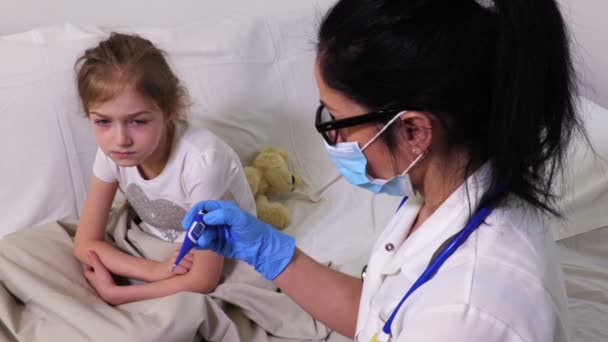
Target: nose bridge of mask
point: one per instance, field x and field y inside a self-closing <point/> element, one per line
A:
<point x="383" y="129"/>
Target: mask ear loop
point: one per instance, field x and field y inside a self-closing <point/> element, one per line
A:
<point x="420" y="156"/>
<point x="383" y="129"/>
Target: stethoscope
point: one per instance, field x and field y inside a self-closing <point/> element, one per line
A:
<point x="442" y="255"/>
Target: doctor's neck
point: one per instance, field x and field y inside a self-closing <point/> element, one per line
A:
<point x="438" y="179"/>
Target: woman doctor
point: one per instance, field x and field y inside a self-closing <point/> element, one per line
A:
<point x="466" y="108"/>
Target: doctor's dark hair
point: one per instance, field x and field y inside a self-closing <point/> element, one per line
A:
<point x="128" y="60"/>
<point x="499" y="79"/>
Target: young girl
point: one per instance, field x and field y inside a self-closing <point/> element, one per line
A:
<point x="134" y="101"/>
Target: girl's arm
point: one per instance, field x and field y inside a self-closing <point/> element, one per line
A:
<point x="90" y="235"/>
<point x="203" y="278"/>
<point x="328" y="295"/>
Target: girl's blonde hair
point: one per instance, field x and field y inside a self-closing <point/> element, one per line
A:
<point x="126" y="60"/>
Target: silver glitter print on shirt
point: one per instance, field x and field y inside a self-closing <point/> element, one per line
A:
<point x="164" y="215"/>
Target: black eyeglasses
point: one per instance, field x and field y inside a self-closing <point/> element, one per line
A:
<point x="328" y="126"/>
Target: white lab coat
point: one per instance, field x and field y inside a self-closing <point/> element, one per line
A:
<point x="503" y="284"/>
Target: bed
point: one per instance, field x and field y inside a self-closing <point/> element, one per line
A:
<point x="251" y="82"/>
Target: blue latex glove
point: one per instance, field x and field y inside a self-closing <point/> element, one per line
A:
<point x="234" y="233"/>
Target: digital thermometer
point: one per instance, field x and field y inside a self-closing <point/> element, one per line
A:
<point x="197" y="229"/>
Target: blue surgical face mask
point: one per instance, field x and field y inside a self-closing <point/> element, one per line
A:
<point x="352" y="164"/>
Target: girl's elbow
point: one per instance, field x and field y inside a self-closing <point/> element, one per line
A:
<point x="81" y="249"/>
<point x="203" y="286"/>
<point x="206" y="287"/>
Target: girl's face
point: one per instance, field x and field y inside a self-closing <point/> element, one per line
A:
<point x="130" y="129"/>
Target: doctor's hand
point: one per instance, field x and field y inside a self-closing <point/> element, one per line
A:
<point x="234" y="233"/>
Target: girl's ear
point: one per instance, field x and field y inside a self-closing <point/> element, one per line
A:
<point x="170" y="117"/>
<point x="419" y="132"/>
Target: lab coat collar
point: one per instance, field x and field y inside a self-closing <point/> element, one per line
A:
<point x="414" y="254"/>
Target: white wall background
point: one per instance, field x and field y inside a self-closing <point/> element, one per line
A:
<point x="589" y="29"/>
<point x="20" y="15"/>
<point x="586" y="18"/>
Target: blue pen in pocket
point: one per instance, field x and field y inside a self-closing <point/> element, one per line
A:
<point x="197" y="229"/>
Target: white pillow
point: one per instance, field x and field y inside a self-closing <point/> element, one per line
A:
<point x="40" y="171"/>
<point x="584" y="200"/>
<point x="243" y="74"/>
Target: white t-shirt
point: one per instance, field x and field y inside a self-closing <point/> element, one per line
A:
<point x="200" y="167"/>
<point x="503" y="284"/>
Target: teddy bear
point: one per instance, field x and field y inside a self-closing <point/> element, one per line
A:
<point x="269" y="176"/>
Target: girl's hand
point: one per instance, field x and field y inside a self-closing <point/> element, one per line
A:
<point x="100" y="278"/>
<point x="162" y="270"/>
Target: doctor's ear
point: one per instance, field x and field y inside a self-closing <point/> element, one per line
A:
<point x="418" y="130"/>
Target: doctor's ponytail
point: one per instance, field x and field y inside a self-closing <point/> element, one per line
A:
<point x="497" y="74"/>
<point x="533" y="107"/>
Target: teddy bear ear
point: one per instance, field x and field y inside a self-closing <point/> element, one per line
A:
<point x="269" y="160"/>
<point x="275" y="149"/>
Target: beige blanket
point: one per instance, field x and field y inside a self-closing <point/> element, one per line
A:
<point x="45" y="297"/>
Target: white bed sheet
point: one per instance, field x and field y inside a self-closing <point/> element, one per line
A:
<point x="584" y="259"/>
